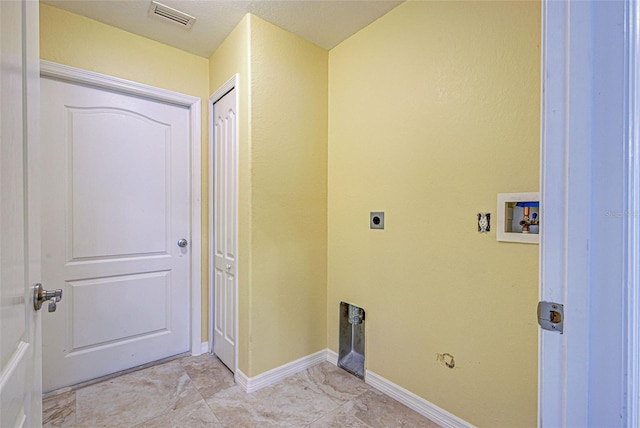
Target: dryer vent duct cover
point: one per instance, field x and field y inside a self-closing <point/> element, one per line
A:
<point x="180" y="18"/>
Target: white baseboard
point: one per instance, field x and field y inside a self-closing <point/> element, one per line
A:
<point x="409" y="399"/>
<point x="332" y="357"/>
<point x="252" y="384"/>
<point x="241" y="380"/>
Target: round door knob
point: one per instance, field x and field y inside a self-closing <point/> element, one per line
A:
<point x="182" y="243"/>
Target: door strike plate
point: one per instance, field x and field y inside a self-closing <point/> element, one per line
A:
<point x="551" y="316"/>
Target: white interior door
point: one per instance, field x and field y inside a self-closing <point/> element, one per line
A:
<point x="224" y="234"/>
<point x="116" y="204"/>
<point x="20" y="352"/>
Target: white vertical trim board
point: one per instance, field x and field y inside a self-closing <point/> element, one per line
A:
<point x="632" y="387"/>
<point x="275" y="375"/>
<point x="195" y="119"/>
<point x="564" y="258"/>
<point x="64" y="72"/>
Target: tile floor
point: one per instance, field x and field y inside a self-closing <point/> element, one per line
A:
<point x="200" y="392"/>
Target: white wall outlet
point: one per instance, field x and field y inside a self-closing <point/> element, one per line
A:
<point x="484" y="222"/>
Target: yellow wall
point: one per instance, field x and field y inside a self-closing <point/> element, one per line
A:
<point x="232" y="57"/>
<point x="71" y="39"/>
<point x="433" y="110"/>
<point x="282" y="189"/>
<point x="426" y="114"/>
<point x="289" y="196"/>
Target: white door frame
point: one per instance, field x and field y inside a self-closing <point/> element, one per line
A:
<point x="76" y="75"/>
<point x="219" y="93"/>
<point x="632" y="137"/>
<point x="572" y="205"/>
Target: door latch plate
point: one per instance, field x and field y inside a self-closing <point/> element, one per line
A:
<point x="551" y="316"/>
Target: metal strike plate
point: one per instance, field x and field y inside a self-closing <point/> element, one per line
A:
<point x="551" y="316"/>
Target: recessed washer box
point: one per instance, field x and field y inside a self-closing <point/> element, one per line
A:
<point x="376" y="220"/>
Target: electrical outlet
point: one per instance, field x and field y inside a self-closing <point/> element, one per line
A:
<point x="376" y="220"/>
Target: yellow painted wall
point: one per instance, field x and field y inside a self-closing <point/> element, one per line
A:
<point x="282" y="191"/>
<point x="232" y="57"/>
<point x="429" y="113"/>
<point x="289" y="196"/>
<point x="433" y="110"/>
<point x="74" y="40"/>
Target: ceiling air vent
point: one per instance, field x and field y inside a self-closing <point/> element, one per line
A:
<point x="175" y="16"/>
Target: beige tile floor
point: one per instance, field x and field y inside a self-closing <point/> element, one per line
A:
<point x="200" y="392"/>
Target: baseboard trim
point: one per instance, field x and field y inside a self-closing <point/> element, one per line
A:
<point x="241" y="380"/>
<point x="204" y="348"/>
<point x="252" y="384"/>
<point x="411" y="400"/>
<point x="332" y="357"/>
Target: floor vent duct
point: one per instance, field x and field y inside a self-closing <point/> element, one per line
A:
<point x="351" y="346"/>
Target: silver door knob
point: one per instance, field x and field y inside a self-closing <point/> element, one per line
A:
<point x="228" y="266"/>
<point x="182" y="243"/>
<point x="40" y="295"/>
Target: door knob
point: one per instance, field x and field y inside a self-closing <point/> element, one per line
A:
<point x="182" y="243"/>
<point x="40" y="295"/>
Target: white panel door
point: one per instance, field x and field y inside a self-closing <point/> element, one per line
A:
<point x="116" y="204"/>
<point x="224" y="218"/>
<point x="20" y="389"/>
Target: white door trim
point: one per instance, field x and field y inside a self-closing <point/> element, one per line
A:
<point x="572" y="191"/>
<point x="632" y="238"/>
<point x="219" y="93"/>
<point x="76" y="75"/>
<point x="565" y="105"/>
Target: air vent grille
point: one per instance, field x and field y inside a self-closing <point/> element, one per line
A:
<point x="171" y="14"/>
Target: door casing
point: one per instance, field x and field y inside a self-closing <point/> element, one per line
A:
<point x="76" y="75"/>
<point x="591" y="222"/>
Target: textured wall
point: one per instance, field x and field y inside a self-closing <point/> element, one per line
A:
<point x="433" y="111"/>
<point x="283" y="191"/>
<point x="232" y="57"/>
<point x="289" y="196"/>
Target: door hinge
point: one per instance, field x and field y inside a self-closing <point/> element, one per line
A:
<point x="551" y="316"/>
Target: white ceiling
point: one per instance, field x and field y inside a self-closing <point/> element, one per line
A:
<point x="323" y="22"/>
